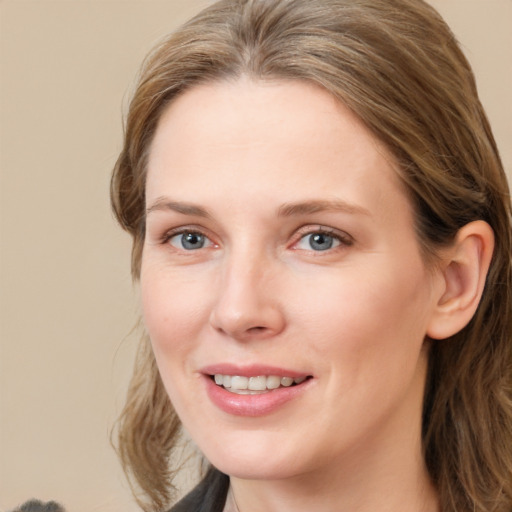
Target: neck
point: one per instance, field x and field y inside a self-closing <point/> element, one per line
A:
<point x="388" y="477"/>
<point x="389" y="493"/>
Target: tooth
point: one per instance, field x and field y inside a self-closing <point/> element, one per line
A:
<point x="246" y="391"/>
<point x="257" y="383"/>
<point x="273" y="382"/>
<point x="239" y="382"/>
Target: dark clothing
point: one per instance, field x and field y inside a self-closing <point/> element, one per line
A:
<point x="39" y="506"/>
<point x="208" y="496"/>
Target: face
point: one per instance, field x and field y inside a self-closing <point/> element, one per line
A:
<point x="282" y="283"/>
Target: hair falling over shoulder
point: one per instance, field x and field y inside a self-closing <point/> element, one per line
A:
<point x="147" y="432"/>
<point x="397" y="65"/>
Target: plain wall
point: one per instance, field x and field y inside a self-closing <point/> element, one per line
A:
<point x="67" y="304"/>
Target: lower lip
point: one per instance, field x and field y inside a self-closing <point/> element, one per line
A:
<point x="252" y="405"/>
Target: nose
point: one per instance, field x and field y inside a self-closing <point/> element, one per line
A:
<point x="247" y="304"/>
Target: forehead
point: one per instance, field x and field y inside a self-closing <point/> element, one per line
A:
<point x="274" y="137"/>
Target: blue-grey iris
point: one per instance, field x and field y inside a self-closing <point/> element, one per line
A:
<point x="320" y="241"/>
<point x="192" y="241"/>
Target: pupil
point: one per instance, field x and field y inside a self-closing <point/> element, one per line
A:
<point x="192" y="241"/>
<point x="321" y="242"/>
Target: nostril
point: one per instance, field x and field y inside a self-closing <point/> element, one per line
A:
<point x="248" y="320"/>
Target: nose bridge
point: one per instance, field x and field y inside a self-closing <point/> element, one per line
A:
<point x="246" y="305"/>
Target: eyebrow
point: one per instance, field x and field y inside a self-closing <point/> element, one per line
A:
<point x="162" y="204"/>
<point x="307" y="207"/>
<point x="285" y="210"/>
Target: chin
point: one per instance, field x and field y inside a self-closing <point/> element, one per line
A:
<point x="254" y="461"/>
<point x="255" y="470"/>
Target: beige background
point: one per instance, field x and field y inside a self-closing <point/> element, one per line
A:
<point x="67" y="305"/>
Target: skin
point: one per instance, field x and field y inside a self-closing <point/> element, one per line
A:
<point x="354" y="317"/>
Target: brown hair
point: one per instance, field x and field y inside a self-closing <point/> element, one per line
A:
<point x="397" y="65"/>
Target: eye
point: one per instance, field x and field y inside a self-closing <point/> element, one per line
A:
<point x="189" y="240"/>
<point x="321" y="240"/>
<point x="317" y="242"/>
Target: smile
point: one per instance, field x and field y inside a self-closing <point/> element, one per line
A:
<point x="253" y="390"/>
<point x="254" y="385"/>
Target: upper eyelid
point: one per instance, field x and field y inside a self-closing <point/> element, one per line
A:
<point x="336" y="233"/>
<point x="187" y="228"/>
<point x="170" y="233"/>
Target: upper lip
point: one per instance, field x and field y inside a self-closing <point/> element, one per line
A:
<point x="251" y="370"/>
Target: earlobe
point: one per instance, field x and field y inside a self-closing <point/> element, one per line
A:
<point x="464" y="270"/>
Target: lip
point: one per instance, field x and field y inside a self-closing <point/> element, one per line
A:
<point x="252" y="405"/>
<point x="253" y="370"/>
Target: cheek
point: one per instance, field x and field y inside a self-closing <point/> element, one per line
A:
<point x="361" y="314"/>
<point x="174" y="309"/>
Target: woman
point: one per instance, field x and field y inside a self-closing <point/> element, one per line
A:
<point x="321" y="229"/>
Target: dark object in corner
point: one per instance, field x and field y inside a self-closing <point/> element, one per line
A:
<point x="208" y="496"/>
<point x="39" y="506"/>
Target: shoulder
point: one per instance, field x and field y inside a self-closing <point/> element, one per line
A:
<point x="208" y="496"/>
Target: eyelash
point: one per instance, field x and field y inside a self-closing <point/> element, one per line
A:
<point x="342" y="239"/>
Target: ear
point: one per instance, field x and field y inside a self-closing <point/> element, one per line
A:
<point x="464" y="270"/>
